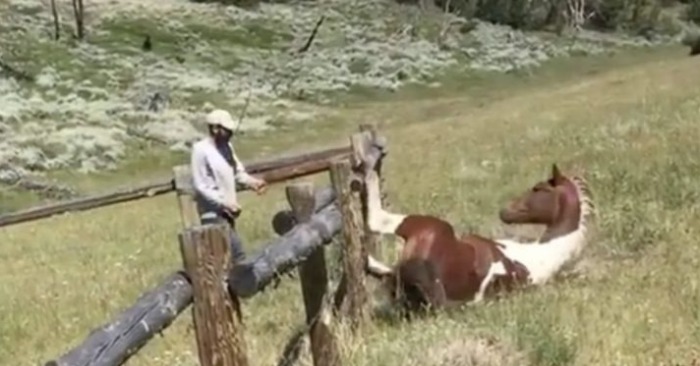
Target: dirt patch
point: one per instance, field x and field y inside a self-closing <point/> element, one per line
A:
<point x="476" y="351"/>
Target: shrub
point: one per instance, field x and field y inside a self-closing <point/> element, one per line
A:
<point x="693" y="12"/>
<point x="631" y="15"/>
<point x="240" y="3"/>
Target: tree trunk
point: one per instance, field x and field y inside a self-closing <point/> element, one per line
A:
<point x="56" y="21"/>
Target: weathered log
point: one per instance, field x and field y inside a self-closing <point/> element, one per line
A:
<point x="284" y="220"/>
<point x="371" y="240"/>
<point x="367" y="149"/>
<point x="296" y="158"/>
<point x="272" y="170"/>
<point x="284" y="253"/>
<point x="353" y="250"/>
<point x="295" y="171"/>
<point x="314" y="283"/>
<point x="216" y="314"/>
<point x="114" y="343"/>
<point x="85" y="203"/>
<point x="185" y="200"/>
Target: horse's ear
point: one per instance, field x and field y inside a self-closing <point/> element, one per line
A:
<point x="556" y="174"/>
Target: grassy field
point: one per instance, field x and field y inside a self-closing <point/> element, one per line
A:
<point x="628" y="122"/>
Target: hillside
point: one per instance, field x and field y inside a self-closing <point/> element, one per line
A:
<point x="80" y="107"/>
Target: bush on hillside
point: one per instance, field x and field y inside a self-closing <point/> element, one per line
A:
<point x="637" y="16"/>
<point x="629" y="15"/>
<point x="241" y="3"/>
<point x="520" y="14"/>
<point x="692" y="40"/>
<point x="693" y="12"/>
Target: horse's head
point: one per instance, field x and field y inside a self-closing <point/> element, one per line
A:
<point x="544" y="203"/>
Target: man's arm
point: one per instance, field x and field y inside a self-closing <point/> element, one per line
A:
<point x="242" y="176"/>
<point x="201" y="181"/>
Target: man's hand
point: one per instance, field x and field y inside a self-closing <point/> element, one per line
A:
<point x="232" y="209"/>
<point x="260" y="186"/>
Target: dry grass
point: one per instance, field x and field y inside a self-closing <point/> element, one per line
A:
<point x="633" y="130"/>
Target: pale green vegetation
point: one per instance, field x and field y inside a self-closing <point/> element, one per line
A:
<point x="91" y="105"/>
<point x="627" y="121"/>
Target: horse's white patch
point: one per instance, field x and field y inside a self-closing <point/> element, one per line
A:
<point x="377" y="267"/>
<point x="379" y="220"/>
<point x="544" y="260"/>
<point x="496" y="269"/>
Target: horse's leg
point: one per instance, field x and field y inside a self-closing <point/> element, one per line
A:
<point x="379" y="220"/>
<point x="495" y="269"/>
<point x="377" y="268"/>
<point x="421" y="284"/>
<point x="438" y="296"/>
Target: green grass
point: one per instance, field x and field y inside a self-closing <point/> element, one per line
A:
<point x="628" y="121"/>
<point x="186" y="37"/>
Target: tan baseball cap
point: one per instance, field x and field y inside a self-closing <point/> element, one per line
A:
<point x="221" y="118"/>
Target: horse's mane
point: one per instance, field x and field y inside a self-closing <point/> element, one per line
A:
<point x="585" y="197"/>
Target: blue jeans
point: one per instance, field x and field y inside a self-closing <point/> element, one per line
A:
<point x="236" y="245"/>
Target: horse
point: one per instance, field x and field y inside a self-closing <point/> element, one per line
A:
<point x="438" y="269"/>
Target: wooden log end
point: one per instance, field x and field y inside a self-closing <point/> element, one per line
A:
<point x="301" y="199"/>
<point x="381" y="143"/>
<point x="368" y="149"/>
<point x="373" y="137"/>
<point x="242" y="280"/>
<point x="283" y="222"/>
<point x="371" y="159"/>
<point x="356" y="182"/>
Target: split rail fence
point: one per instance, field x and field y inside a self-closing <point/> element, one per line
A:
<point x="214" y="286"/>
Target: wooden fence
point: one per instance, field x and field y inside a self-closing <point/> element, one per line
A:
<point x="273" y="170"/>
<point x="314" y="218"/>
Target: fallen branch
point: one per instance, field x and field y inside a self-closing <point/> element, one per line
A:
<point x="15" y="73"/>
<point x="243" y="111"/>
<point x="311" y="38"/>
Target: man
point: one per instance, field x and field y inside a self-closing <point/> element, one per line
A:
<point x="215" y="171"/>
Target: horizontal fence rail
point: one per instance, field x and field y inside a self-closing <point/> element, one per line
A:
<point x="272" y="169"/>
<point x="115" y="342"/>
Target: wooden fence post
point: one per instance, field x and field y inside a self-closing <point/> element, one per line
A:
<point x="373" y="241"/>
<point x="354" y="252"/>
<point x="314" y="282"/>
<point x="185" y="196"/>
<point x="216" y="313"/>
<point x="378" y="166"/>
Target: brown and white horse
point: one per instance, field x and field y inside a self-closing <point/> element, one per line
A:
<point x="437" y="268"/>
